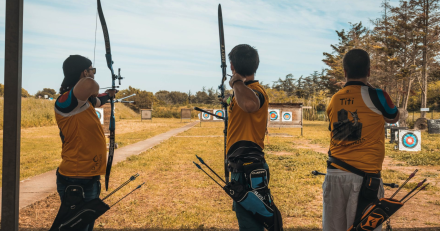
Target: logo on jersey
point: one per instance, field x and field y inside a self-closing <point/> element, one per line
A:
<point x="346" y="129"/>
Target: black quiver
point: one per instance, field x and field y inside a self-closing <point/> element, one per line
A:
<point x="377" y="214"/>
<point x="255" y="196"/>
<point x="75" y="213"/>
<point x="371" y="212"/>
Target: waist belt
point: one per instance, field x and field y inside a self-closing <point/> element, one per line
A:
<point x="239" y="166"/>
<point x="92" y="180"/>
<point x="351" y="168"/>
<point x="368" y="193"/>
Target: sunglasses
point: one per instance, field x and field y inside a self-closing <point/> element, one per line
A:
<point x="92" y="69"/>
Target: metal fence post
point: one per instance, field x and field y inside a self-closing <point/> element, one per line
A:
<point x="12" y="115"/>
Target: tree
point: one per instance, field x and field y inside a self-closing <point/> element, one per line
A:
<point x="51" y="93"/>
<point x="356" y="37"/>
<point x="428" y="15"/>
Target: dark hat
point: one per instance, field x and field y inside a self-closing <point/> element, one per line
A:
<point x="72" y="68"/>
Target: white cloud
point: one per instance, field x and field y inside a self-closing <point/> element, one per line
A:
<point x="174" y="44"/>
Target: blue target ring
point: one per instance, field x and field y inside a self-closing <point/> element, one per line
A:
<point x="409" y="140"/>
<point x="205" y="116"/>
<point x="273" y="115"/>
<point x="219" y="113"/>
<point x="287" y="116"/>
<point x="98" y="114"/>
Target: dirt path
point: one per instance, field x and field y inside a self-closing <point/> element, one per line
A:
<point x="422" y="211"/>
<point x="41" y="186"/>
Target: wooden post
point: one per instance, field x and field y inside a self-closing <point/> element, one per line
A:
<point x="12" y="115"/>
<point x="302" y="123"/>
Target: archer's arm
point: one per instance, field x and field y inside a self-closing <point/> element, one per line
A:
<point x="85" y="88"/>
<point x="246" y="98"/>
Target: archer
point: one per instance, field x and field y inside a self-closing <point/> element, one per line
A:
<point x="357" y="148"/>
<point x="84" y="148"/>
<point x="248" y="115"/>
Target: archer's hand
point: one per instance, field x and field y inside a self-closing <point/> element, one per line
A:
<point x="111" y="92"/>
<point x="236" y="77"/>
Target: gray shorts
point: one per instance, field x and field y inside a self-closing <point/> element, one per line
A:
<point x="340" y="194"/>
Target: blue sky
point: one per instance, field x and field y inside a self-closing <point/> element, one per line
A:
<point x="174" y="45"/>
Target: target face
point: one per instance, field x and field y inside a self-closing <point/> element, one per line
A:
<point x="206" y="116"/>
<point x="409" y="140"/>
<point x="287" y="116"/>
<point x="393" y="125"/>
<point x="218" y="112"/>
<point x="100" y="114"/>
<point x="274" y="114"/>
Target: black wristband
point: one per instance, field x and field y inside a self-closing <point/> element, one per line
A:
<point x="103" y="98"/>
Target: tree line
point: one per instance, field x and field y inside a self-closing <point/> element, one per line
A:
<point x="403" y="45"/>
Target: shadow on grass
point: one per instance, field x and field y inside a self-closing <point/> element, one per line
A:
<point x="214" y="229"/>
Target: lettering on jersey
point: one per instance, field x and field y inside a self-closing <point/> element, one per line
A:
<point x="347" y="101"/>
<point x="346" y="129"/>
<point x="360" y="141"/>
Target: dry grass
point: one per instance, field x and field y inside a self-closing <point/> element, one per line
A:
<point x="40" y="112"/>
<point x="178" y="196"/>
<point x="41" y="146"/>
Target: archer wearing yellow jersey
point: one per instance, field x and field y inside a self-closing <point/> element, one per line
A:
<point x="84" y="149"/>
<point x="357" y="115"/>
<point x="248" y="114"/>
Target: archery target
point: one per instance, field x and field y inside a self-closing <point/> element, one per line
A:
<point x="287" y="116"/>
<point x="274" y="114"/>
<point x="218" y="112"/>
<point x="100" y="114"/>
<point x="410" y="140"/>
<point x="206" y="116"/>
<point x="392" y="125"/>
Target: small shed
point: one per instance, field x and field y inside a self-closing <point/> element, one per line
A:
<point x="285" y="115"/>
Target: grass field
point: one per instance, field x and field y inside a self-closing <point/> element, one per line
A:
<point x="178" y="196"/>
<point x="40" y="112"/>
<point x="41" y="146"/>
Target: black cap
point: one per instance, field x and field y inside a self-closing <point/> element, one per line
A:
<point x="72" y="68"/>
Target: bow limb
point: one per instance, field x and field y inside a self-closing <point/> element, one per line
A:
<point x="222" y="86"/>
<point x="108" y="57"/>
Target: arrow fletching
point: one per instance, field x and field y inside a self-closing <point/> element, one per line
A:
<point x="200" y="159"/>
<point x="198" y="166"/>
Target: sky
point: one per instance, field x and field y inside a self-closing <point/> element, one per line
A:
<point x="174" y="44"/>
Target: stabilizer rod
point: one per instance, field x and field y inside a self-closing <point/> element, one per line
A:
<point x="209" y="113"/>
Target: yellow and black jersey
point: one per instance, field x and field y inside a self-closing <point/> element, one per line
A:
<point x="84" y="149"/>
<point x="356" y="114"/>
<point x="247" y="130"/>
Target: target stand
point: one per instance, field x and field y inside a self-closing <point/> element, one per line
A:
<point x="205" y="117"/>
<point x="100" y="114"/>
<point x="185" y="113"/>
<point x="146" y="114"/>
<point x="410" y="140"/>
<point x="287" y="115"/>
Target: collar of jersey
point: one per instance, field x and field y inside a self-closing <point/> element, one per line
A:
<point x="250" y="82"/>
<point x="355" y="83"/>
